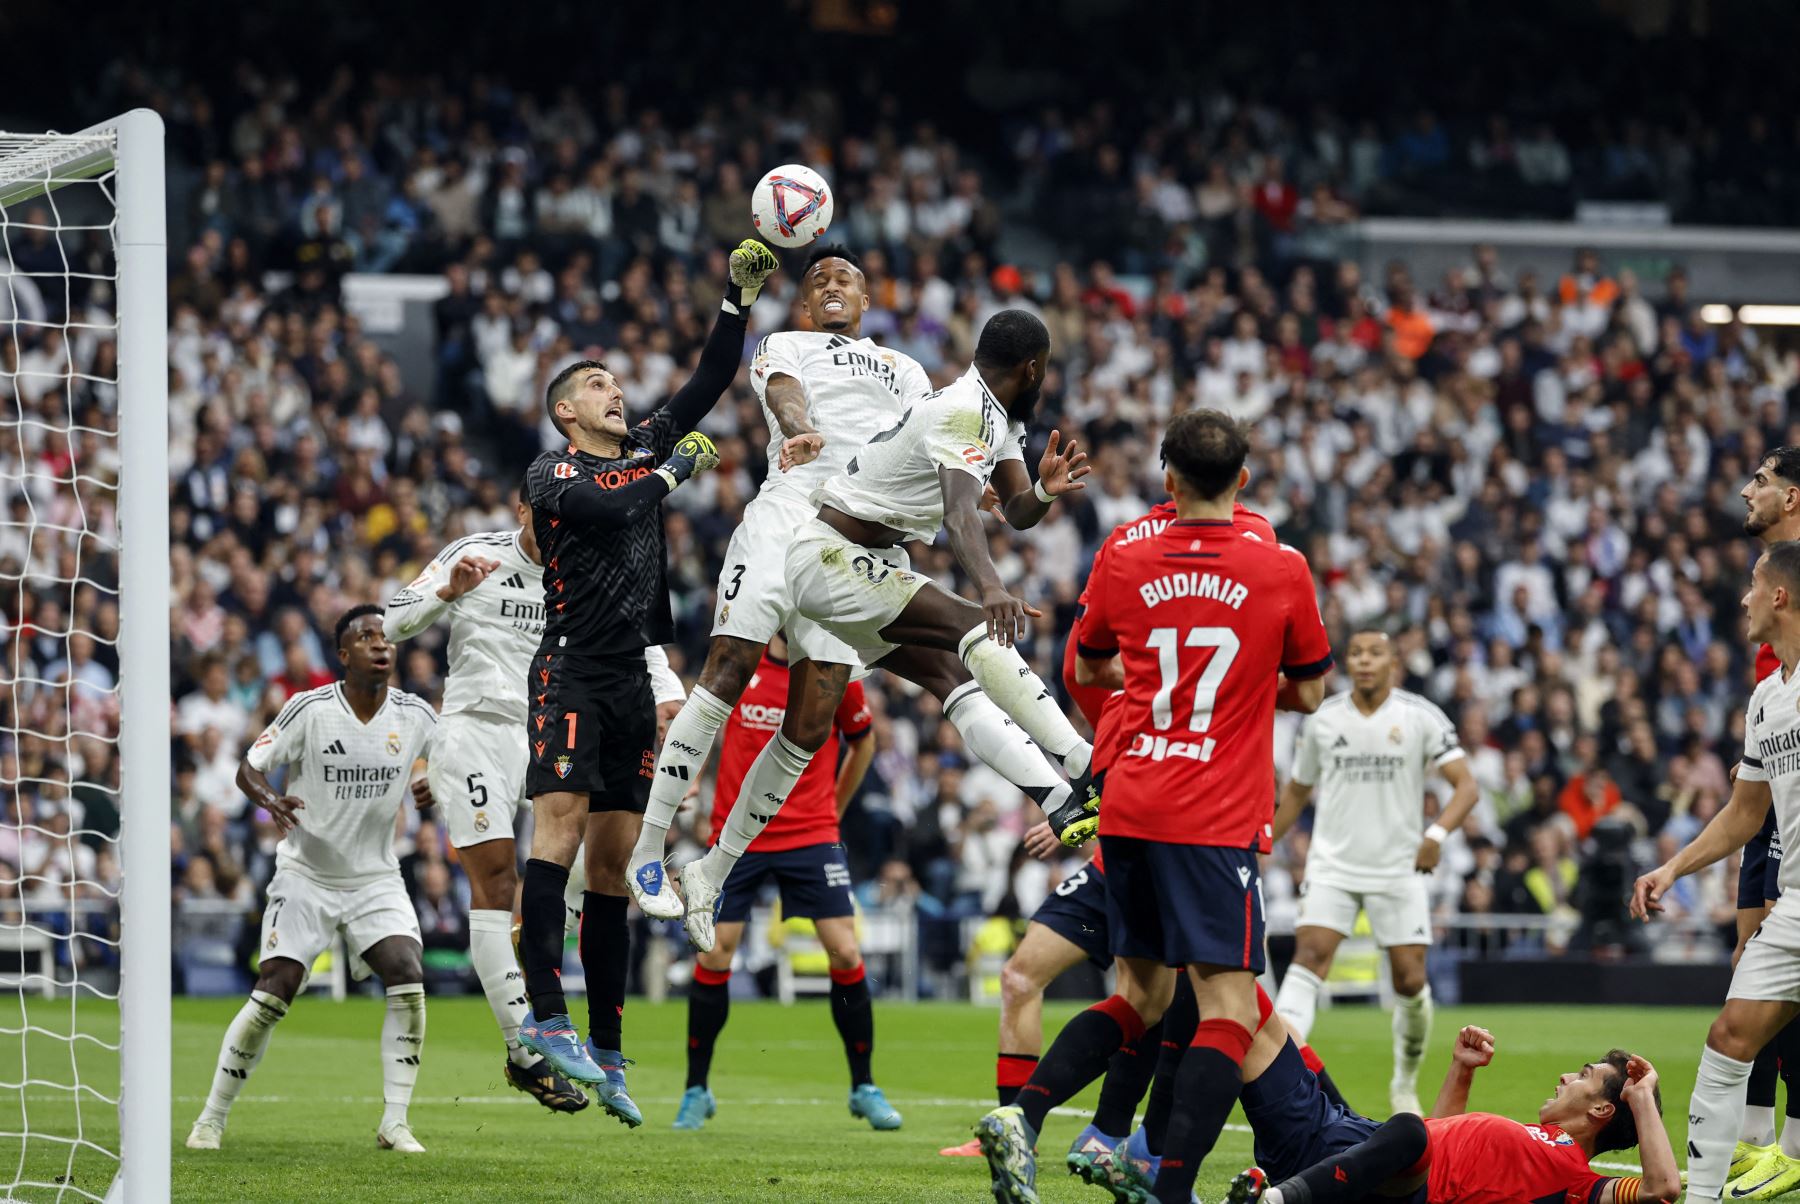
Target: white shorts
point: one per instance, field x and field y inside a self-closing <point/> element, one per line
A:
<point x="754" y="599"/>
<point x="477" y="776"/>
<point x="851" y="591"/>
<point x="1770" y="966"/>
<point x="1398" y="915"/>
<point x="300" y="916"/>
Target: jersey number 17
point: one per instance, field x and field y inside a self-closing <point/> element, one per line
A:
<point x="1169" y="643"/>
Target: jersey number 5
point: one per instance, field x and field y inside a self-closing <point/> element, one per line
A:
<point x="1168" y="642"/>
<point x="476" y="787"/>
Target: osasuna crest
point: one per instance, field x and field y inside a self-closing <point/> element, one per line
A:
<point x="393" y="744"/>
<point x="563" y="767"/>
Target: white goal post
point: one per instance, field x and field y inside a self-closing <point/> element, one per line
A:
<point x="119" y="165"/>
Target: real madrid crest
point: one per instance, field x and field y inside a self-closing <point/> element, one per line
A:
<point x="1394" y="736"/>
<point x="481" y="821"/>
<point x="393" y="744"/>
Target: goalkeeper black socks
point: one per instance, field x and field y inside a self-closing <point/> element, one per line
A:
<point x="1078" y="1056"/>
<point x="709" y="1004"/>
<point x="1397" y="1149"/>
<point x="1127" y="1076"/>
<point x="605" y="946"/>
<point x="1178" y="1024"/>
<point x="854" y="1016"/>
<point x="541" y="915"/>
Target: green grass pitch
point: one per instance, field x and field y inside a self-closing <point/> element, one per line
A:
<point x="304" y="1129"/>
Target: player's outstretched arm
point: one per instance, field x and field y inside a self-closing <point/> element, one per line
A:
<point x="431" y="593"/>
<point x="751" y="264"/>
<point x="1661" y="1180"/>
<point x="1474" y="1049"/>
<point x="583" y="499"/>
<point x="1024" y="504"/>
<point x="1006" y="614"/>
<point x="1730" y="830"/>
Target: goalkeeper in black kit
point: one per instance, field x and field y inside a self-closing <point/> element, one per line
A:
<point x="596" y="512"/>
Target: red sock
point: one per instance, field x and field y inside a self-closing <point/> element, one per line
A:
<point x="1011" y="1072"/>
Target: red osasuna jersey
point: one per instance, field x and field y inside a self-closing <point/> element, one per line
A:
<point x="1206" y="621"/>
<point x="810" y="814"/>
<point x="1766" y="661"/>
<point x="1480" y="1158"/>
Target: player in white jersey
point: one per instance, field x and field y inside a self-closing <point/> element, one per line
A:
<point x="349" y="748"/>
<point x="1368" y="752"/>
<point x="852" y="582"/>
<point x="1765" y="986"/>
<point x="829" y="395"/>
<point x="492" y="587"/>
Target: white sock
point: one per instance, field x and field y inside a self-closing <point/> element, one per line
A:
<point x="1297" y="1003"/>
<point x="770" y="780"/>
<point x="1412" y="1029"/>
<point x="1007" y="680"/>
<point x="1715" y="1118"/>
<point x="684" y="751"/>
<point x="491" y="951"/>
<point x="1790" y="1137"/>
<point x="1003" y="745"/>
<point x="1759" y="1125"/>
<point x="402" y="1041"/>
<point x="1272" y="1196"/>
<point x="245" y="1039"/>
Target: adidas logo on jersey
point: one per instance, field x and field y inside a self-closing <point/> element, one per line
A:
<point x="514" y="582"/>
<point x="1342" y="742"/>
<point x="335" y="749"/>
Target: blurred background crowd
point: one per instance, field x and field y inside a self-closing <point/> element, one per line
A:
<point x="1526" y="472"/>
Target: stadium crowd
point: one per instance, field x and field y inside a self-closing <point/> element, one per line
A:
<point x="1527" y="473"/>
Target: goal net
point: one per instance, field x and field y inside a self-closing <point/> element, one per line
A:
<point x="84" y="753"/>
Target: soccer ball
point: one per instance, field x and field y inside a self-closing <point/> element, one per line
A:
<point x="791" y="206"/>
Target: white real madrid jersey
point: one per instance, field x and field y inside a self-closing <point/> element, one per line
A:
<point x="1369" y="775"/>
<point x="855" y="389"/>
<point x="352" y="777"/>
<point x="494" y="628"/>
<point x="894" y="480"/>
<point x="1772" y="755"/>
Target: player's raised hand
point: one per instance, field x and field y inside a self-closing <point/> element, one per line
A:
<point x="1648" y="890"/>
<point x="1006" y="615"/>
<point x="694" y="453"/>
<point x="1040" y="842"/>
<point x="750" y="265"/>
<point x="421" y="792"/>
<point x="1640" y="1079"/>
<point x="1060" y="471"/>
<point x="1474" y="1047"/>
<point x="465" y="575"/>
<point x="285" y="811"/>
<point x="801" y="449"/>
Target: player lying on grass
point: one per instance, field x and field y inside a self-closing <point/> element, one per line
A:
<point x="1326" y="1155"/>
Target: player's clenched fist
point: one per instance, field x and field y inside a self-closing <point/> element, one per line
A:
<point x="1474" y="1047"/>
<point x="465" y="575"/>
<point x="1647" y="892"/>
<point x="801" y="449"/>
<point x="695" y="453"/>
<point x="750" y="265"/>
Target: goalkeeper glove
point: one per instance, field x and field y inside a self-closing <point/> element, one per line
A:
<point x="695" y="453"/>
<point x="751" y="264"/>
<point x="1077" y="821"/>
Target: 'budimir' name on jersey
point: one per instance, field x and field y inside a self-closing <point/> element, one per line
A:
<point x="1194" y="585"/>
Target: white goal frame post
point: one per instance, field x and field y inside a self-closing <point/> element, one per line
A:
<point x="132" y="146"/>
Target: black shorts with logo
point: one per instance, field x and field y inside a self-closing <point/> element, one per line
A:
<point x="592" y="730"/>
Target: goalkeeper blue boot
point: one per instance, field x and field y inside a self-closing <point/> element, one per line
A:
<point x="867" y="1102"/>
<point x="554" y="1038"/>
<point x="697" y="1107"/>
<point x="610" y="1090"/>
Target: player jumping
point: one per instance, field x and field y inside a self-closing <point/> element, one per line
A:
<point x="350" y="748"/>
<point x="1207" y="623"/>
<point x="800" y="853"/>
<point x="851" y="580"/>
<point x="492" y="587"/>
<point x="1765" y="985"/>
<point x="596" y="515"/>
<point x="1323" y="1154"/>
<point x="828" y="394"/>
<point x="1368" y="751"/>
